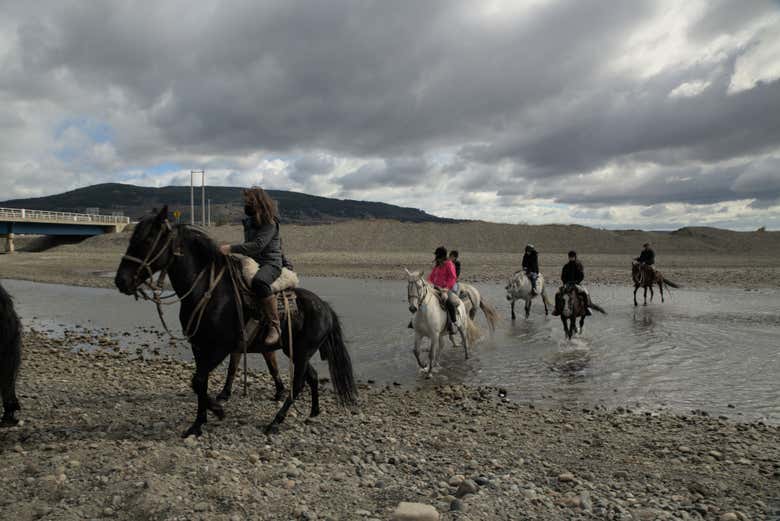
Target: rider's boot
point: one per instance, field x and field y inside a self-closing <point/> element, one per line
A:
<point x="452" y="319"/>
<point x="271" y="313"/>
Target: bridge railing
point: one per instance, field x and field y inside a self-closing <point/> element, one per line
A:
<point x="21" y="214"/>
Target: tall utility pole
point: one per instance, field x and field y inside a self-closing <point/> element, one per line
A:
<point x="209" y="214"/>
<point x="192" y="194"/>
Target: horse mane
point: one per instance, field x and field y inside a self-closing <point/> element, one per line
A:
<point x="201" y="243"/>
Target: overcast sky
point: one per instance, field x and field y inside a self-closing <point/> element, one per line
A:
<point x="647" y="114"/>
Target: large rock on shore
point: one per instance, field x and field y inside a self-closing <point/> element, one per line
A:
<point x="415" y="512"/>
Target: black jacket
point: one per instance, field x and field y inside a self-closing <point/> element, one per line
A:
<point x="456" y="262"/>
<point x="572" y="272"/>
<point x="647" y="256"/>
<point x="531" y="262"/>
<point x="261" y="242"/>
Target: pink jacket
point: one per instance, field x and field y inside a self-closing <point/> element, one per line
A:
<point x="443" y="275"/>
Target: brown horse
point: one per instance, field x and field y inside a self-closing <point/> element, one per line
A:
<point x="573" y="305"/>
<point x="646" y="277"/>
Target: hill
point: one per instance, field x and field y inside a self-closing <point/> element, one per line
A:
<point x="226" y="205"/>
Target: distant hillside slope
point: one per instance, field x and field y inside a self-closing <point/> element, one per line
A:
<point x="226" y="204"/>
<point x="477" y="236"/>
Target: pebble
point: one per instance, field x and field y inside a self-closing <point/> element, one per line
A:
<point x="729" y="516"/>
<point x="415" y="512"/>
<point x="466" y="487"/>
<point x="566" y="477"/>
<point x="456" y="505"/>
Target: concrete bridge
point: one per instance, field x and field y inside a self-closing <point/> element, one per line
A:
<point x="18" y="221"/>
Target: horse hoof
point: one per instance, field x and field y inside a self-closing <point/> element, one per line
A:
<point x="195" y="430"/>
<point x="279" y="396"/>
<point x="9" y="421"/>
<point x="218" y="411"/>
<point x="271" y="429"/>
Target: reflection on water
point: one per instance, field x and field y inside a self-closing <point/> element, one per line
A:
<point x="699" y="350"/>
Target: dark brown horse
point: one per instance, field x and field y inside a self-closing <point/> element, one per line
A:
<point x="10" y="357"/>
<point x="211" y="317"/>
<point x="573" y="306"/>
<point x="646" y="277"/>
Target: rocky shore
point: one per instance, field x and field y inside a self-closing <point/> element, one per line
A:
<point x="100" y="440"/>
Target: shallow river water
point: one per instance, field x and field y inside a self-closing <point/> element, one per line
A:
<point x="714" y="349"/>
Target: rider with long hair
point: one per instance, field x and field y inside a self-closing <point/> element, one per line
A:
<point x="262" y="242"/>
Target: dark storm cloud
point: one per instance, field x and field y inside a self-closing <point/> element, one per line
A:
<point x="534" y="101"/>
<point x="395" y="172"/>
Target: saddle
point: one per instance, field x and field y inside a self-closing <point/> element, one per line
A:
<point x="283" y="287"/>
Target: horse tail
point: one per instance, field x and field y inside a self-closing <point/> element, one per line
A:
<point x="10" y="356"/>
<point x="598" y="308"/>
<point x="670" y="283"/>
<point x="334" y="350"/>
<point x="472" y="331"/>
<point x="491" y="315"/>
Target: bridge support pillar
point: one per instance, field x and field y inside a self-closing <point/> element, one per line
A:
<point x="9" y="242"/>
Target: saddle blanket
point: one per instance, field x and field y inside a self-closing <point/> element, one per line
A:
<point x="282" y="287"/>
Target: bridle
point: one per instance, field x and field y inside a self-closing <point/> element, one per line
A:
<point x="156" y="287"/>
<point x="412" y="291"/>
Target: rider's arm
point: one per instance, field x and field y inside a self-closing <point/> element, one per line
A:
<point x="258" y="244"/>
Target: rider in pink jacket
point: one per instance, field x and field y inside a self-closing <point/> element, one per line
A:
<point x="443" y="276"/>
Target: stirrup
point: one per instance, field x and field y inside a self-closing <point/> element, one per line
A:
<point x="250" y="330"/>
<point x="273" y="330"/>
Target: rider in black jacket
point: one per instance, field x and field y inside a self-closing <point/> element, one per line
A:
<point x="531" y="265"/>
<point x="647" y="257"/>
<point x="572" y="274"/>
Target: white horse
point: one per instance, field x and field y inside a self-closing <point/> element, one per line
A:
<point x="473" y="301"/>
<point x="430" y="320"/>
<point x="519" y="288"/>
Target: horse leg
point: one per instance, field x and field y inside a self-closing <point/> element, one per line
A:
<point x="527" y="308"/>
<point x="565" y="326"/>
<point x="227" y="390"/>
<point x="645" y="296"/>
<point x="582" y="322"/>
<point x="417" y="342"/>
<point x="652" y="293"/>
<point x="299" y="378"/>
<point x="273" y="370"/>
<point x="636" y="288"/>
<point x="513" y="310"/>
<point x="311" y="379"/>
<point x="432" y="356"/>
<point x="661" y="289"/>
<point x="544" y="301"/>
<point x="10" y="402"/>
<point x="464" y="339"/>
<point x="200" y="384"/>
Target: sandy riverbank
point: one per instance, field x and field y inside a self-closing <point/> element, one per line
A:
<point x="489" y="252"/>
<point x="100" y="440"/>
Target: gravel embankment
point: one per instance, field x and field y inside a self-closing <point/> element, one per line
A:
<point x="100" y="440"/>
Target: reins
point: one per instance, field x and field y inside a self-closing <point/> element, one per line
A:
<point x="156" y="287"/>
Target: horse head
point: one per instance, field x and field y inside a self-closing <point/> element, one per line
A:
<point x="415" y="289"/>
<point x="149" y="251"/>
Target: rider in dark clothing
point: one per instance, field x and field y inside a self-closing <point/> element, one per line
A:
<point x="455" y="261"/>
<point x="262" y="243"/>
<point x="531" y="266"/>
<point x="647" y="257"/>
<point x="572" y="274"/>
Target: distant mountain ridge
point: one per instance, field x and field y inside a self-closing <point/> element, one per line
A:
<point x="226" y="204"/>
